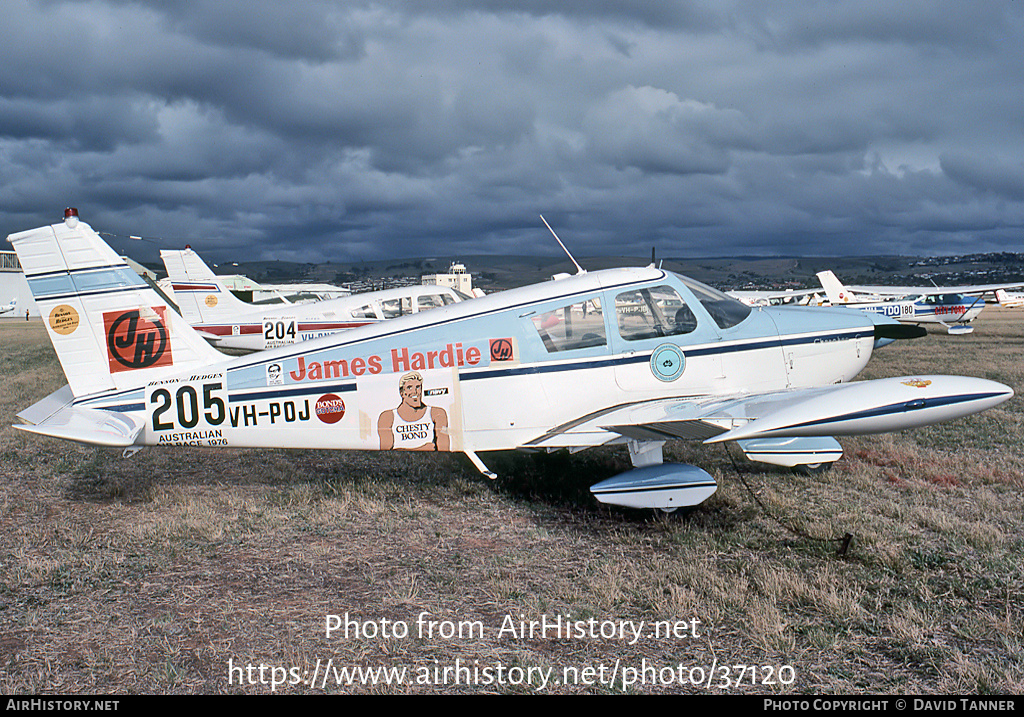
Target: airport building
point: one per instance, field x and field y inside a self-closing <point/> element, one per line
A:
<point x="457" y="278"/>
<point x="14" y="286"/>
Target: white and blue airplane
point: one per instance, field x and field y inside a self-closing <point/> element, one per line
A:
<point x="954" y="307"/>
<point x="10" y="307"/>
<point x="633" y="357"/>
<point x="227" y="322"/>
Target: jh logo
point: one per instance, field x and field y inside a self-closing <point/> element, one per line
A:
<point x="501" y="350"/>
<point x="135" y="342"/>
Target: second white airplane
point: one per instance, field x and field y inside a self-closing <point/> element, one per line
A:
<point x="227" y="322"/>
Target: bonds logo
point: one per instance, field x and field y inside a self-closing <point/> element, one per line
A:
<point x="137" y="339"/>
<point x="330" y="408"/>
<point x="501" y="350"/>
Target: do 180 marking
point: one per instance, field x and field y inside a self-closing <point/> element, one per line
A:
<point x="897" y="310"/>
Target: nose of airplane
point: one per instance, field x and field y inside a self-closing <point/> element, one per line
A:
<point x="885" y="329"/>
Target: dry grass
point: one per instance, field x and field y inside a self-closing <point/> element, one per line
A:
<point x="150" y="574"/>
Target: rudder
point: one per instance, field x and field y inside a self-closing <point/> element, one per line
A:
<point x="199" y="293"/>
<point x="110" y="330"/>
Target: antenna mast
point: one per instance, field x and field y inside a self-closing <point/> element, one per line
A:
<point x="579" y="269"/>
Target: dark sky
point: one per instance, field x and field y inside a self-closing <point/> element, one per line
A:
<point x="313" y="131"/>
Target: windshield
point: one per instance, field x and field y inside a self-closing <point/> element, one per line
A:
<point x="725" y="310"/>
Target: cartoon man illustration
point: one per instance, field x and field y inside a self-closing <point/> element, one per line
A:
<point x="274" y="375"/>
<point x="414" y="425"/>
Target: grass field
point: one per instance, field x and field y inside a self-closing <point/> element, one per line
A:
<point x="215" y="571"/>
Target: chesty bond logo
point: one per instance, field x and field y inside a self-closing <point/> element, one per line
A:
<point x="135" y="341"/>
<point x="64" y="319"/>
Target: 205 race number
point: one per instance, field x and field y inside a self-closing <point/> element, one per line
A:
<point x="182" y="409"/>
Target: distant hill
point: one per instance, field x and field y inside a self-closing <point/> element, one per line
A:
<point x="493" y="273"/>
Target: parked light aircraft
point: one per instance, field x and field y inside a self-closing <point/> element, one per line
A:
<point x="227" y="322"/>
<point x="785" y="297"/>
<point x="1009" y="300"/>
<point x="632" y="356"/>
<point x="953" y="307"/>
<point x="10" y="307"/>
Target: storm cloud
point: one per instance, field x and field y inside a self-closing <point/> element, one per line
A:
<point x="318" y="131"/>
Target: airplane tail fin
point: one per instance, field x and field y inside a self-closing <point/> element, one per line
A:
<point x="110" y="330"/>
<point x="198" y="291"/>
<point x="1006" y="301"/>
<point x="834" y="289"/>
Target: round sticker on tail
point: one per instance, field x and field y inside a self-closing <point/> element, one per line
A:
<point x="64" y="319"/>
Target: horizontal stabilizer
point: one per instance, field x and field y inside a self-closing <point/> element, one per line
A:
<point x="55" y="416"/>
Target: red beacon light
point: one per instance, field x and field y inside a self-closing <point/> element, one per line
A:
<point x="71" y="217"/>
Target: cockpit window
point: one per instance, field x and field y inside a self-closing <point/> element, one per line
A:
<point x="429" y="301"/>
<point x="364" y="312"/>
<point x="577" y="326"/>
<point x="653" y="312"/>
<point x="393" y="308"/>
<point x="725" y="310"/>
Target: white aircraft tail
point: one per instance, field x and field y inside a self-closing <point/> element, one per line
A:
<point x="835" y="291"/>
<point x="199" y="293"/>
<point x="1007" y="301"/>
<point x="110" y="329"/>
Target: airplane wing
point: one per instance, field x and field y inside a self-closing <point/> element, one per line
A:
<point x="972" y="290"/>
<point x="860" y="407"/>
<point x="765" y="298"/>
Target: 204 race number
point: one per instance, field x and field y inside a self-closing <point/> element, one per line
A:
<point x="280" y="332"/>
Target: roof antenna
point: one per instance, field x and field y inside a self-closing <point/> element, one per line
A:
<point x="579" y="269"/>
<point x="654" y="262"/>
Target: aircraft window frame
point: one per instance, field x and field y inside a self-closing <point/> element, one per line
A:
<point x="403" y="304"/>
<point x="724" y="310"/>
<point x="424" y="302"/>
<point x="365" y="311"/>
<point x="656" y="322"/>
<point x="558" y="333"/>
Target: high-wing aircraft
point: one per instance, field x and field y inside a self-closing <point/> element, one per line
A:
<point x="229" y="323"/>
<point x="953" y="307"/>
<point x="785" y="297"/>
<point x="1009" y="300"/>
<point x="632" y="357"/>
<point x="10" y="307"/>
